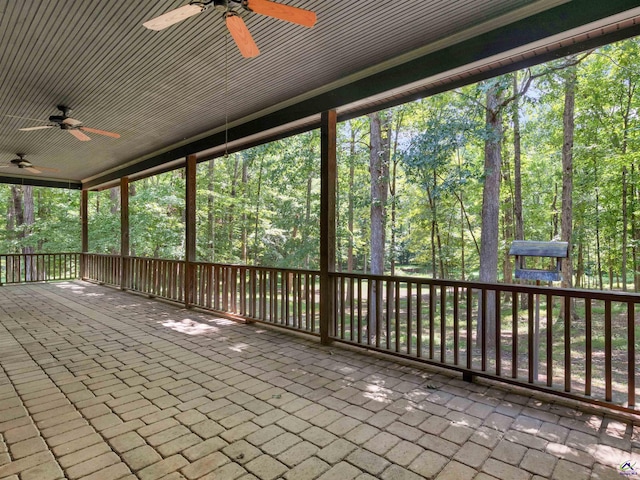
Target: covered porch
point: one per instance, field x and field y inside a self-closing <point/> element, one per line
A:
<point x="123" y="366"/>
<point x="98" y="383"/>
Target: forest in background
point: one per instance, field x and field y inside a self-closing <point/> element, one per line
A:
<point x="545" y="153"/>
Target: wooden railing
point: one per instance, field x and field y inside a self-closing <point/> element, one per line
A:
<point x="102" y="268"/>
<point x="284" y="297"/>
<point x="585" y="344"/>
<point x="576" y="343"/>
<point x="155" y="277"/>
<point x="38" y="267"/>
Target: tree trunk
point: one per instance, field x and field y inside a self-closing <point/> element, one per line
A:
<point x="392" y="246"/>
<point x="508" y="216"/>
<point x="598" y="255"/>
<point x="352" y="154"/>
<point x="232" y="205"/>
<point x="211" y="213"/>
<point x="379" y="172"/>
<point x="490" y="211"/>
<point x="554" y="213"/>
<point x="432" y="207"/>
<point x="517" y="164"/>
<point x="114" y="198"/>
<point x="462" y="217"/>
<point x="580" y="266"/>
<point x="11" y="216"/>
<point x="393" y="191"/>
<point x="245" y="181"/>
<point x="307" y="217"/>
<point x="28" y="218"/>
<point x="568" y="124"/>
<point x="255" y="238"/>
<point x="635" y="231"/>
<point x="625" y="227"/>
<point x="29" y="215"/>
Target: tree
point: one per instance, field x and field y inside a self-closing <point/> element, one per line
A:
<point x="568" y="123"/>
<point x="490" y="204"/>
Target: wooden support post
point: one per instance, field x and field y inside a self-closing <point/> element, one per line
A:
<point x="84" y="220"/>
<point x="328" y="181"/>
<point x="190" y="230"/>
<point x="124" y="233"/>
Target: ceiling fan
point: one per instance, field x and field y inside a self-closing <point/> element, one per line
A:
<point x="20" y="162"/>
<point x="235" y="24"/>
<point x="71" y="125"/>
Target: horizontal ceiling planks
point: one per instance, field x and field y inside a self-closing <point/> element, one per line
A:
<point x="159" y="88"/>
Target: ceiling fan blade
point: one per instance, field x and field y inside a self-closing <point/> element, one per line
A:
<point x="303" y="17"/>
<point x="79" y="135"/>
<point x="41" y="127"/>
<point x="72" y="122"/>
<point x="100" y="132"/>
<point x="32" y="170"/>
<point x="174" y="16"/>
<point x="241" y="36"/>
<point x="27" y="118"/>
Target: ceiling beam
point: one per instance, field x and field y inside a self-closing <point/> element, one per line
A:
<point x="557" y="20"/>
<point x="42" y="182"/>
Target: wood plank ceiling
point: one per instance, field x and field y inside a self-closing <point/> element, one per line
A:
<point x="165" y="92"/>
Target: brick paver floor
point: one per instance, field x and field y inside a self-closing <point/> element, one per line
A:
<point x="100" y="384"/>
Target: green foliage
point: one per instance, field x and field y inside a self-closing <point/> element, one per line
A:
<point x="56" y="225"/>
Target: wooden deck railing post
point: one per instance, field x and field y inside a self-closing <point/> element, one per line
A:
<point x="190" y="230"/>
<point x="328" y="179"/>
<point x="84" y="221"/>
<point x="124" y="232"/>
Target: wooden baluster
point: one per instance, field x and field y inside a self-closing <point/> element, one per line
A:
<point x="608" y="351"/>
<point x="359" y="297"/>
<point x="469" y="327"/>
<point x="370" y="302"/>
<point x="397" y="315"/>
<point x="341" y="281"/>
<point x="299" y="300"/>
<point x="631" y="354"/>
<point x="567" y="343"/>
<point x="443" y="323"/>
<point x="307" y="298"/>
<point x="379" y="304"/>
<point x="549" y="340"/>
<point x="483" y="334"/>
<point x="530" y="343"/>
<point x="409" y="319"/>
<point x="432" y="308"/>
<point x="514" y="335"/>
<point x="498" y="339"/>
<point x="313" y="303"/>
<point x="456" y="326"/>
<point x="419" y="319"/>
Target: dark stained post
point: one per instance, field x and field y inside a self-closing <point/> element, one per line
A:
<point x="190" y="229"/>
<point x="84" y="219"/>
<point x="124" y="232"/>
<point x="328" y="179"/>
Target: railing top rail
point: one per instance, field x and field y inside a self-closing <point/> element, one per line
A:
<point x="258" y="267"/>
<point x="153" y="259"/>
<point x="503" y="287"/>
<point x="40" y="253"/>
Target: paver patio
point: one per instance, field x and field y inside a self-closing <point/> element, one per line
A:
<point x="100" y="384"/>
